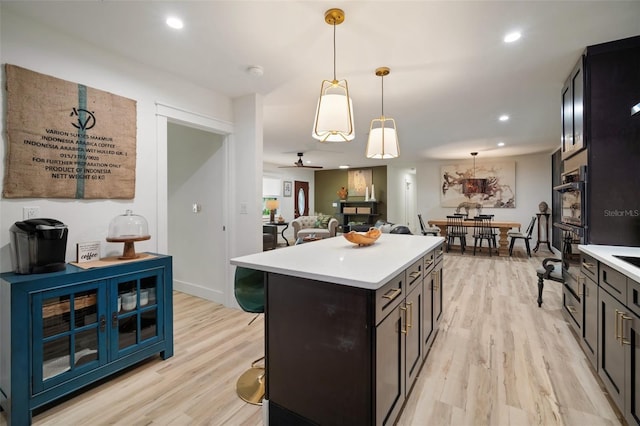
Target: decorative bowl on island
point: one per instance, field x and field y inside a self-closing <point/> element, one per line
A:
<point x="363" y="239"/>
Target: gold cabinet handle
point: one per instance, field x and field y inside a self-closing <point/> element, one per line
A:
<point x="410" y="315"/>
<point x="404" y="330"/>
<point x="624" y="340"/>
<point x="617" y="325"/>
<point x="588" y="265"/>
<point x="415" y="274"/>
<point x="572" y="309"/>
<point x="392" y="294"/>
<point x="580" y="286"/>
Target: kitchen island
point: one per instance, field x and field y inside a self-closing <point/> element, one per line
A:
<point x="347" y="328"/>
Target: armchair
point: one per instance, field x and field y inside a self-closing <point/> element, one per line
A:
<point x="551" y="269"/>
<point x="303" y="226"/>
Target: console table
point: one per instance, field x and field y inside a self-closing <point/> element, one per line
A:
<point x="286" y="226"/>
<point x="64" y="330"/>
<point x="543" y="230"/>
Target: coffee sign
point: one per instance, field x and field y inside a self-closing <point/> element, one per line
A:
<point x="67" y="140"/>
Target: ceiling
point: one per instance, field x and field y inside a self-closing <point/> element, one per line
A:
<point x="451" y="76"/>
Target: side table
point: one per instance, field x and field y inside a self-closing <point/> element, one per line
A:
<point x="543" y="232"/>
<point x="286" y="226"/>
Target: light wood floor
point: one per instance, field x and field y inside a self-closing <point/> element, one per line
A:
<point x="497" y="360"/>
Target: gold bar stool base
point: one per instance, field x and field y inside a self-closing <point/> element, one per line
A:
<point x="251" y="385"/>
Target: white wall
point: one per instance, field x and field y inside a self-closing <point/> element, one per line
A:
<point x="533" y="185"/>
<point x="401" y="198"/>
<point x="31" y="46"/>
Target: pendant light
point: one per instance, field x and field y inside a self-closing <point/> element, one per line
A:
<point x="334" y="113"/>
<point x="383" y="136"/>
<point x="474" y="186"/>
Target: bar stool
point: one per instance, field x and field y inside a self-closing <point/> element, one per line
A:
<point x="249" y="292"/>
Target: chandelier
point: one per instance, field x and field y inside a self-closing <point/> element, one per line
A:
<point x="474" y="185"/>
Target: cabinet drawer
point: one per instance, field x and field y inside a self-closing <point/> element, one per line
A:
<point x="572" y="308"/>
<point x="589" y="266"/>
<point x="438" y="253"/>
<point x="633" y="295"/>
<point x="429" y="261"/>
<point x="389" y="296"/>
<point x="614" y="282"/>
<point x="415" y="274"/>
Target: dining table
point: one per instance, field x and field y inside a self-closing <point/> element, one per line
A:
<point x="502" y="226"/>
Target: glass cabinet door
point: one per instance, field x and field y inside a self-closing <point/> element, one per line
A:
<point x="136" y="319"/>
<point x="68" y="334"/>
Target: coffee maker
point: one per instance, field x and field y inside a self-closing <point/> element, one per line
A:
<point x="38" y="246"/>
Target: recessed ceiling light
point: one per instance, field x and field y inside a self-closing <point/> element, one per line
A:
<point x="255" y="70"/>
<point x="503" y="117"/>
<point x="500" y="143"/>
<point x="174" y="22"/>
<point x="344" y="167"/>
<point x="512" y="36"/>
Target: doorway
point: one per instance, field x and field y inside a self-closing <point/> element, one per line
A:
<point x="301" y="199"/>
<point x="195" y="278"/>
<point x="195" y="162"/>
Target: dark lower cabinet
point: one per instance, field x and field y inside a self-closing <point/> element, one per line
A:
<point x="340" y="355"/>
<point x="618" y="333"/>
<point x="390" y="367"/>
<point x="611" y="350"/>
<point x="589" y="294"/>
<point x="632" y="366"/>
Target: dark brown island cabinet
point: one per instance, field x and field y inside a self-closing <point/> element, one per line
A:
<point x="349" y="352"/>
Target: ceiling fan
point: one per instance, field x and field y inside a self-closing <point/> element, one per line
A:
<point x="299" y="163"/>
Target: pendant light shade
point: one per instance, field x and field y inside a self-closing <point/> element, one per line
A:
<point x="383" y="135"/>
<point x="334" y="113"/>
<point x="474" y="185"/>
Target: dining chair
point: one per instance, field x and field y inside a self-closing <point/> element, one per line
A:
<point x="483" y="230"/>
<point x="456" y="229"/>
<point x="526" y="236"/>
<point x="431" y="230"/>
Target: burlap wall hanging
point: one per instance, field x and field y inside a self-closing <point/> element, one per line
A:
<point x="66" y="140"/>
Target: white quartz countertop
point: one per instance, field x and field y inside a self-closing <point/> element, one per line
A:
<point x="336" y="260"/>
<point x="606" y="254"/>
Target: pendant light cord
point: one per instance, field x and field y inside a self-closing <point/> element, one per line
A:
<point x="382" y="97"/>
<point x="334" y="51"/>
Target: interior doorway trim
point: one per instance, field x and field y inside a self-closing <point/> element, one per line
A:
<point x="164" y="115"/>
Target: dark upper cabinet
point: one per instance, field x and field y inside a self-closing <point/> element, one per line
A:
<point x="573" y="112"/>
<point x="597" y="101"/>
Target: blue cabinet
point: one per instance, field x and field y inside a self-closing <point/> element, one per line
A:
<point x="64" y="330"/>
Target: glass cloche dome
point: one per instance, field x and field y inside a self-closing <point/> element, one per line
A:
<point x="128" y="228"/>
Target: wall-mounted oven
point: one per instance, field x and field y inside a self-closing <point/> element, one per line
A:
<point x="573" y="191"/>
<point x="573" y="229"/>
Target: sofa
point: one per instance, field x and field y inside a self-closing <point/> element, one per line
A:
<point x="391" y="228"/>
<point x="322" y="226"/>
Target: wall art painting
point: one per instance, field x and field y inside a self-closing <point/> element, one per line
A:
<point x="499" y="187"/>
<point x="359" y="181"/>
